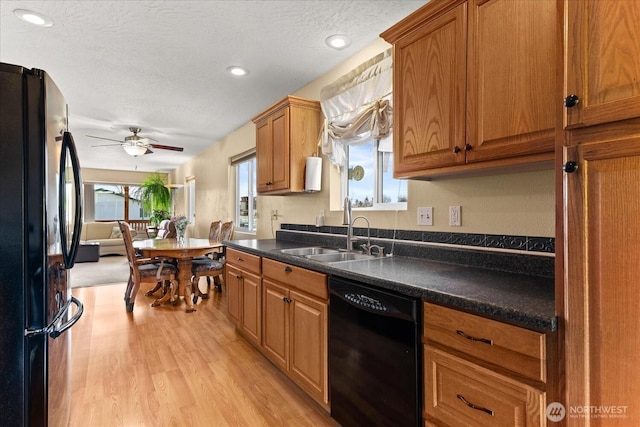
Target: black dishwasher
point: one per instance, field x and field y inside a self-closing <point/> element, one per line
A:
<point x="375" y="356"/>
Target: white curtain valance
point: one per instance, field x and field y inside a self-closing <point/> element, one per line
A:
<point x="358" y="107"/>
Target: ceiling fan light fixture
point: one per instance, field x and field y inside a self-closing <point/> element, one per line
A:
<point x="135" y="150"/>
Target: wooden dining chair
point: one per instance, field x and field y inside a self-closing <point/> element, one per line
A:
<point x="166" y="230"/>
<point x="145" y="270"/>
<point x="214" y="235"/>
<point x="212" y="266"/>
<point x="214" y="231"/>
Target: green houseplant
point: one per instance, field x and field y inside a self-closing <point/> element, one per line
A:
<point x="155" y="197"/>
<point x="158" y="215"/>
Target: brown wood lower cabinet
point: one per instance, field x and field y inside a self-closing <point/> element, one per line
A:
<point x="295" y="326"/>
<point x="244" y="293"/>
<point x="283" y="312"/>
<point x="482" y="372"/>
<point x="295" y="337"/>
<point x="244" y="302"/>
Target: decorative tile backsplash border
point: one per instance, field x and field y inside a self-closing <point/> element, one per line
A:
<point x="496" y="241"/>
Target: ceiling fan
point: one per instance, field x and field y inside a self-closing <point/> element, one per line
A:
<point x="135" y="145"/>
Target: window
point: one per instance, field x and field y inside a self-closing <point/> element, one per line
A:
<point x="113" y="202"/>
<point x="191" y="200"/>
<point x="357" y="134"/>
<point x="369" y="181"/>
<point x="245" y="170"/>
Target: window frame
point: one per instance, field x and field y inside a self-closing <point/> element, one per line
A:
<point x="248" y="158"/>
<point x="127" y="191"/>
<point x="378" y="183"/>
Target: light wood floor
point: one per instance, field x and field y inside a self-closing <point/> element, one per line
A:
<point x="163" y="367"/>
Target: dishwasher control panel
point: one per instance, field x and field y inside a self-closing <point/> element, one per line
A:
<point x="365" y="301"/>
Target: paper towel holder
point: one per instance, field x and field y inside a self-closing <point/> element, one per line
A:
<point x="313" y="174"/>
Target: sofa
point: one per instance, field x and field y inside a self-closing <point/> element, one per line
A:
<point x="107" y="234"/>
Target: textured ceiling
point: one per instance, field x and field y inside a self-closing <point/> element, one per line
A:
<point x="160" y="65"/>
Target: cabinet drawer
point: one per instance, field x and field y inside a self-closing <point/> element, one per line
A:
<point x="516" y="349"/>
<point x="460" y="393"/>
<point x="308" y="281"/>
<point x="243" y="260"/>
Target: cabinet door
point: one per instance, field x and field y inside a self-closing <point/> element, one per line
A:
<point x="601" y="283"/>
<point x="264" y="155"/>
<point x="280" y="150"/>
<point x="233" y="283"/>
<point x="275" y="336"/>
<point x="602" y="61"/>
<point x="512" y="96"/>
<point x="429" y="95"/>
<point x="308" y="364"/>
<point x="251" y="307"/>
<point x="272" y="152"/>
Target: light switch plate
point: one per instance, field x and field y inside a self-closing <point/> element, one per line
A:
<point x="425" y="215"/>
<point x="455" y="216"/>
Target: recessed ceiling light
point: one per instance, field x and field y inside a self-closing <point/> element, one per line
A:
<point x="338" y="41"/>
<point x="237" y="70"/>
<point x="33" y="18"/>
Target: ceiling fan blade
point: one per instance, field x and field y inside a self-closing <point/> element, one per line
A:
<point x="105" y="145"/>
<point x="166" y="147"/>
<point x="108" y="139"/>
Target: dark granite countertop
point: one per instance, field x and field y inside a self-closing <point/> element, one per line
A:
<point x="518" y="299"/>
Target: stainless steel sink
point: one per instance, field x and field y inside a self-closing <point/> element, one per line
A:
<point x="339" y="256"/>
<point x="315" y="250"/>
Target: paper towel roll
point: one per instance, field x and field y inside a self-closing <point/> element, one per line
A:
<point x="313" y="174"/>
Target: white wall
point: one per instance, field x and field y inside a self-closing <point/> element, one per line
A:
<point x="514" y="204"/>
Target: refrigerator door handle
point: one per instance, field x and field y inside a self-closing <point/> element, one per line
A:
<point x="53" y="329"/>
<point x="57" y="331"/>
<point x="69" y="147"/>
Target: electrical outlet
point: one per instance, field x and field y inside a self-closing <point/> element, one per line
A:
<point x="455" y="216"/>
<point x="425" y="215"/>
<point x="274" y="214"/>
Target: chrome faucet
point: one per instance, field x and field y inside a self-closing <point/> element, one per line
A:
<point x="346" y="220"/>
<point x="368" y="245"/>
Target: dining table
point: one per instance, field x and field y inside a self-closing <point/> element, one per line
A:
<point x="183" y="251"/>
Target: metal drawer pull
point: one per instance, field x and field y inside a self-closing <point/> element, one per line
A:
<point x="288" y="269"/>
<point x="469" y="337"/>
<point x="472" y="406"/>
<point x="240" y="259"/>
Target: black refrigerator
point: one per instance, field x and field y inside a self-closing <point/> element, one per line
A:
<point x="40" y="220"/>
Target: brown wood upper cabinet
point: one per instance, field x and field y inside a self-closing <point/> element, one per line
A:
<point x="602" y="67"/>
<point x="286" y="134"/>
<point x="601" y="203"/>
<point x="474" y="86"/>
